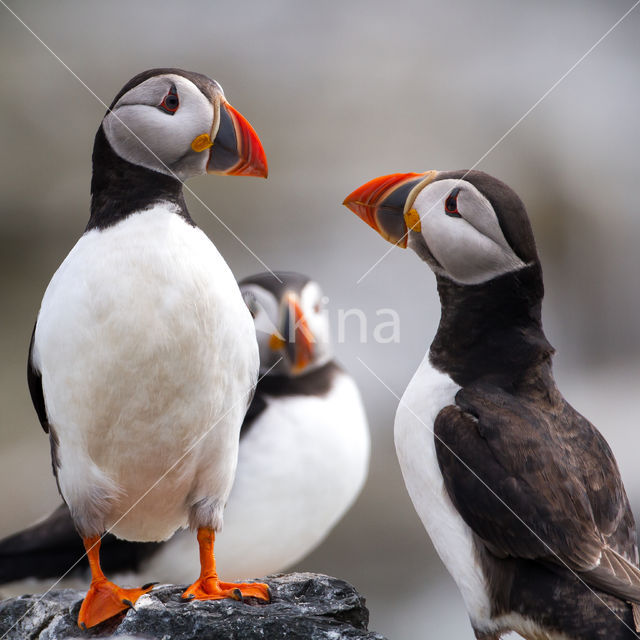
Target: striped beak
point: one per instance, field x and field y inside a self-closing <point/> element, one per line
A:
<point x="236" y="149"/>
<point x="299" y="339"/>
<point x="385" y="204"/>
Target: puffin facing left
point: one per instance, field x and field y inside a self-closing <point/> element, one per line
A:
<point x="144" y="358"/>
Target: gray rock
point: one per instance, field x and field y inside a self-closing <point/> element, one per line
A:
<point x="304" y="605"/>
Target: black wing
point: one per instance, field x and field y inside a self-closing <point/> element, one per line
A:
<point x="257" y="406"/>
<point x="52" y="547"/>
<point x="44" y="550"/>
<point x="555" y="490"/>
<point x="34" y="379"/>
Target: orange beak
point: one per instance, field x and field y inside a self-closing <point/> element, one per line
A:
<point x="383" y="202"/>
<point x="236" y="149"/>
<point x="301" y="348"/>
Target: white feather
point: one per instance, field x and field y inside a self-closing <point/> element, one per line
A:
<point x="144" y="135"/>
<point x="145" y="346"/>
<point x="470" y="247"/>
<point x="300" y="467"/>
<point x="428" y="392"/>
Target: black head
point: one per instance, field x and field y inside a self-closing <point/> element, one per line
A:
<point x="164" y="126"/>
<point x="467" y="225"/>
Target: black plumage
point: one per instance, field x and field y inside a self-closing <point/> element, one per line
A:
<point x="34" y="380"/>
<point x="278" y="286"/>
<point x="534" y="480"/>
<point x="316" y="382"/>
<point x="120" y="188"/>
<point x="52" y="548"/>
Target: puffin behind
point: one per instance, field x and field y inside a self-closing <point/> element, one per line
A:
<point x="129" y="363"/>
<point x="520" y="494"/>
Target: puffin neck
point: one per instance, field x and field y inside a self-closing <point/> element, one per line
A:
<point x="315" y="382"/>
<point x="120" y="188"/>
<point x="491" y="330"/>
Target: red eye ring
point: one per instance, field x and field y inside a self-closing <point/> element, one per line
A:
<point x="451" y="204"/>
<point x="170" y="102"/>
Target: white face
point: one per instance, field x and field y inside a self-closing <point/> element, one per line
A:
<point x="462" y="232"/>
<point x="265" y="311"/>
<point x="270" y="316"/>
<point x="312" y="304"/>
<point x="167" y="130"/>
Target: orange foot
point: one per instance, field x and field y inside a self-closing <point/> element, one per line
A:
<point x="106" y="599"/>
<point x="210" y="588"/>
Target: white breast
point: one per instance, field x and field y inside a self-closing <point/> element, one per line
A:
<point x="144" y="344"/>
<point x="428" y="392"/>
<point x="300" y="467"/>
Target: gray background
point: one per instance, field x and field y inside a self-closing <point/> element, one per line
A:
<point x="340" y="92"/>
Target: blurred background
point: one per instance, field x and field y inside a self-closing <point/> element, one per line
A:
<point x="341" y="92"/>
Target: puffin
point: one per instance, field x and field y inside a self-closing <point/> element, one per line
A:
<point x="520" y="494"/>
<point x="143" y="357"/>
<point x="304" y="441"/>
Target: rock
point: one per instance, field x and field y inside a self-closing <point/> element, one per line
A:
<point x="304" y="605"/>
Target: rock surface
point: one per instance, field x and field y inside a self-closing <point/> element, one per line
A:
<point x="304" y="605"/>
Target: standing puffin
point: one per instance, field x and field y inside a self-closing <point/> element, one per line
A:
<point x="304" y="442"/>
<point x="143" y="357"/>
<point x="519" y="493"/>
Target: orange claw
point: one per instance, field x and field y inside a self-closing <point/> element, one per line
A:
<point x="104" y="598"/>
<point x="209" y="587"/>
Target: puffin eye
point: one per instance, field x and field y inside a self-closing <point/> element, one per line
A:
<point x="451" y="204"/>
<point x="170" y="102"/>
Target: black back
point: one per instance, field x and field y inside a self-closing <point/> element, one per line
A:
<point x="289" y="281"/>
